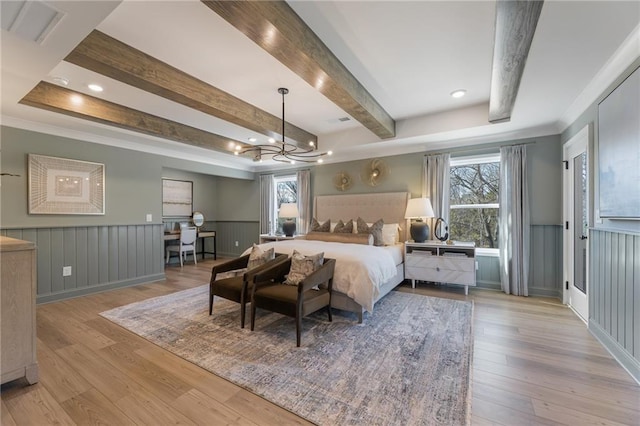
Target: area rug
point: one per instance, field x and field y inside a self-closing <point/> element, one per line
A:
<point x="407" y="364"/>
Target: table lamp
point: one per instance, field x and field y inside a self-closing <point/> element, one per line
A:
<point x="418" y="208"/>
<point x="288" y="211"/>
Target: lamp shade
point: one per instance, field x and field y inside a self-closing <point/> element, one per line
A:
<point x="288" y="210"/>
<point x="418" y="208"/>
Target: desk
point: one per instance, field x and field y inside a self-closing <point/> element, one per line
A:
<point x="171" y="236"/>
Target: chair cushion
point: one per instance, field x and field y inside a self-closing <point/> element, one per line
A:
<point x="302" y="266"/>
<point x="259" y="256"/>
<point x="282" y="298"/>
<point x="229" y="288"/>
<point x="325" y="227"/>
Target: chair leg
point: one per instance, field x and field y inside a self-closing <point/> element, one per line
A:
<point x="195" y="257"/>
<point x="298" y="329"/>
<point x="329" y="312"/>
<point x="210" y="301"/>
<point x="253" y="315"/>
<point x="181" y="255"/>
<point x="243" y="310"/>
<point x="168" y="254"/>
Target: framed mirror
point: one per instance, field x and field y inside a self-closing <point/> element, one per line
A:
<point x="197" y="219"/>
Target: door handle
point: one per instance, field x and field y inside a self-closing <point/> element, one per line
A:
<point x="583" y="237"/>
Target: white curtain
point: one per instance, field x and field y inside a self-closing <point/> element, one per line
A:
<point x="514" y="220"/>
<point x="266" y="204"/>
<point x="435" y="186"/>
<point x="304" y="200"/>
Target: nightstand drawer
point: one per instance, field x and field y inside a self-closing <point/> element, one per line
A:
<point x="437" y="274"/>
<point x="463" y="264"/>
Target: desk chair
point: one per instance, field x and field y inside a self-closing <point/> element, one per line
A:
<point x="187" y="244"/>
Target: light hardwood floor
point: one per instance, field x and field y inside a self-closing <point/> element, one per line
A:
<point x="534" y="363"/>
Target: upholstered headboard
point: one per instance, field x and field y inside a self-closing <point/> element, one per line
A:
<point x="390" y="206"/>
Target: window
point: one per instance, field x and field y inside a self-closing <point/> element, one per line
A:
<point x="474" y="186"/>
<point x="285" y="191"/>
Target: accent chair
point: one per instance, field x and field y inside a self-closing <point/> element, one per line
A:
<point x="296" y="301"/>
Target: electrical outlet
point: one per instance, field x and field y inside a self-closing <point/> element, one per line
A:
<point x="236" y="244"/>
<point x="66" y="271"/>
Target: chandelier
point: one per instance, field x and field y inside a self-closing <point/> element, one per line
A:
<point x="283" y="151"/>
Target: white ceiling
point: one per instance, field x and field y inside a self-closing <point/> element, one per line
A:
<point x="408" y="54"/>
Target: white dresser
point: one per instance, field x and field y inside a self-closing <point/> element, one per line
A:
<point x="441" y="263"/>
<point x="18" y="314"/>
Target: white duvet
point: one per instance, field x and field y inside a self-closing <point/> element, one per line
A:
<point x="360" y="269"/>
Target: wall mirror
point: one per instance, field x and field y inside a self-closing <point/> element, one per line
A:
<point x="197" y="219"/>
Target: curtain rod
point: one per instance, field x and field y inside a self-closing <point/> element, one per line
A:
<point x="466" y="149"/>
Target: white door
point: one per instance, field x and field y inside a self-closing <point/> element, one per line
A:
<point x="576" y="222"/>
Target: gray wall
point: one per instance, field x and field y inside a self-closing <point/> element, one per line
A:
<point x="545" y="173"/>
<point x="613" y="259"/>
<point x="231" y="205"/>
<point x="106" y="251"/>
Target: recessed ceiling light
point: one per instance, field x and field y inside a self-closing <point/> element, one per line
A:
<point x="272" y="140"/>
<point x="458" y="93"/>
<point x="252" y="139"/>
<point x="61" y="81"/>
<point x="95" y="87"/>
<point x="311" y="143"/>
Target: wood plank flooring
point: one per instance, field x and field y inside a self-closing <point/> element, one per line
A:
<point x="535" y="363"/>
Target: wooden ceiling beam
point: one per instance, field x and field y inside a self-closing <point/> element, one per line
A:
<point x="69" y="102"/>
<point x="275" y="27"/>
<point x="515" y="26"/>
<point x="105" y="55"/>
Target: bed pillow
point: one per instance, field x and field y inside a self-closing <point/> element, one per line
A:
<point x="375" y="230"/>
<point x="344" y="228"/>
<point x="366" y="239"/>
<point x="316" y="227"/>
<point x="259" y="257"/>
<point x="302" y="266"/>
<point x="390" y="234"/>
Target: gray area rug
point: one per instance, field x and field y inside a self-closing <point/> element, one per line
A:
<point x="407" y="364"/>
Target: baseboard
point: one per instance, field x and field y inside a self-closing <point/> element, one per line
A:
<point x="545" y="292"/>
<point x="69" y="294"/>
<point x="624" y="358"/>
<point x="489" y="285"/>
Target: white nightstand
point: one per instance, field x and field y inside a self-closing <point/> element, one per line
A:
<point x="441" y="263"/>
<point x="266" y="238"/>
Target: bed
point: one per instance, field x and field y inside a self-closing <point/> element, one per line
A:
<point x="364" y="274"/>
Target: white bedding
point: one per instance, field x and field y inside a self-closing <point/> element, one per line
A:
<point x="360" y="269"/>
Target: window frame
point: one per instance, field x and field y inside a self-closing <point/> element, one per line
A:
<point x="469" y="160"/>
<point x="274" y="202"/>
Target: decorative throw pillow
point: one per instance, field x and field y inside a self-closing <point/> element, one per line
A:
<point x="344" y="228"/>
<point x="375" y="230"/>
<point x="302" y="266"/>
<point x="259" y="257"/>
<point x="325" y="227"/>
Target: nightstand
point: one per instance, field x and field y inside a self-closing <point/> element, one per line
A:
<point x="266" y="238"/>
<point x="441" y="263"/>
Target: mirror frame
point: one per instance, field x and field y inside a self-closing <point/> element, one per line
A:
<point x="195" y="216"/>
